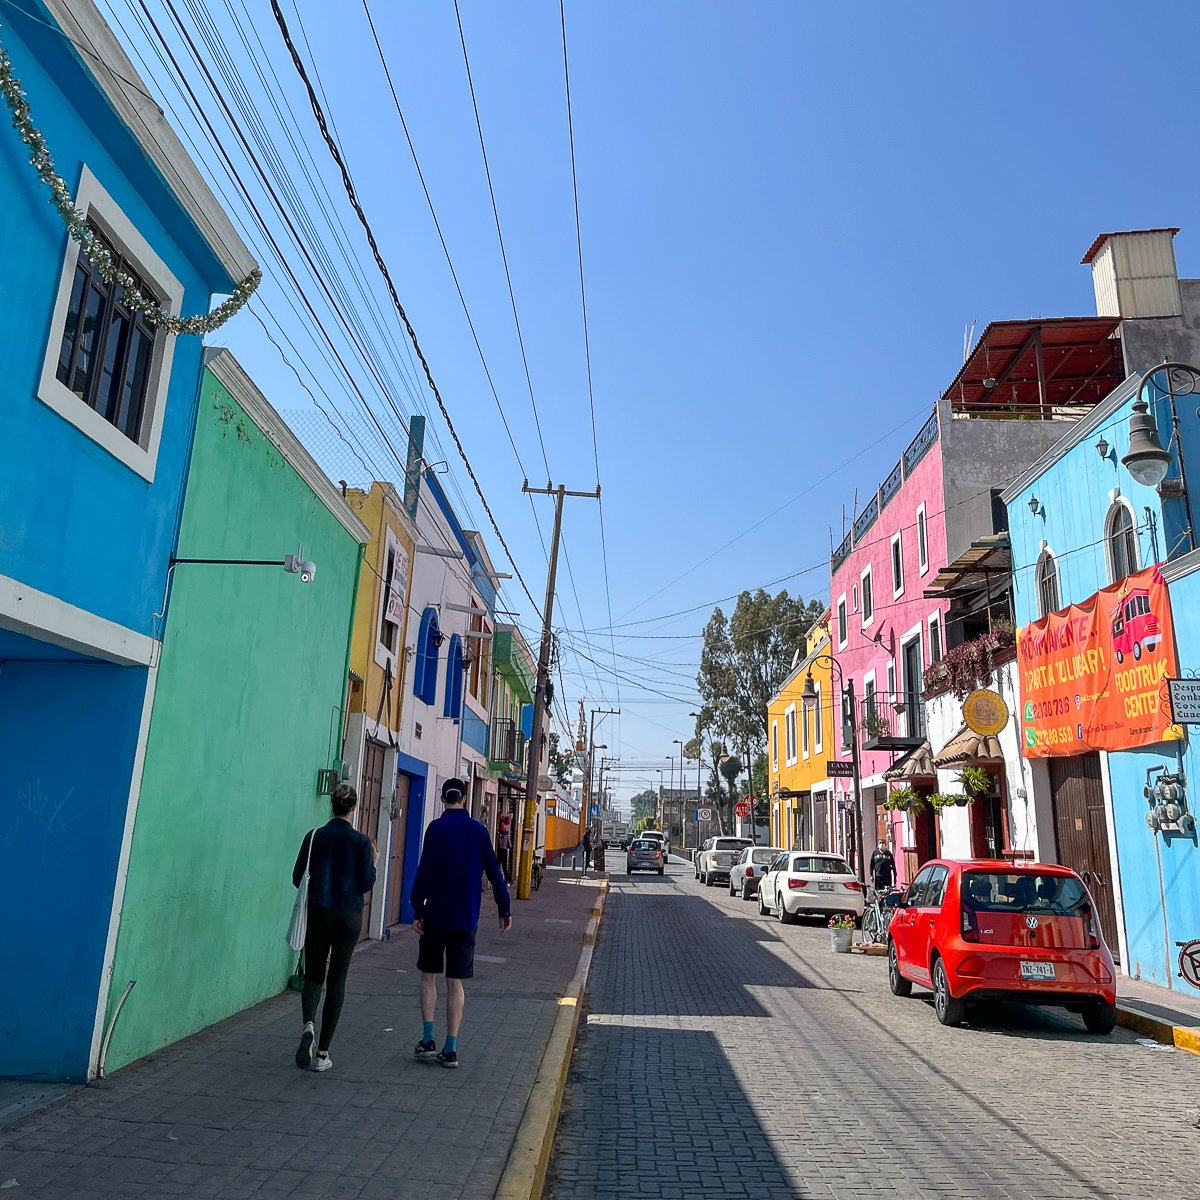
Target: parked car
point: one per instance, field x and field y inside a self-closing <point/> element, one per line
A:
<point x="988" y="930"/>
<point x="644" y="854"/>
<point x="716" y="859"/>
<point x="799" y="882"/>
<point x="660" y="837"/>
<point x="696" y="859"/>
<point x="747" y="869"/>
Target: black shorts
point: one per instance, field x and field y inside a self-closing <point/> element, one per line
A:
<point x="442" y="949"/>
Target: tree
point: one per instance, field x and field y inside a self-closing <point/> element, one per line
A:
<point x="745" y="660"/>
<point x="560" y="764"/>
<point x="644" y="804"/>
<point x="760" y="783"/>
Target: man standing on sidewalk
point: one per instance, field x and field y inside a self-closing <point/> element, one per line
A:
<point x="883" y="867"/>
<point x="446" y="898"/>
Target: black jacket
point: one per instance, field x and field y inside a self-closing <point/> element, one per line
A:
<point x="883" y="867"/>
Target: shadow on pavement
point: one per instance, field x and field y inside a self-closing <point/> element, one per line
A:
<point x="659" y="1112"/>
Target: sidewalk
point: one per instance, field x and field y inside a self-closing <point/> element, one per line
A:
<point x="1167" y="1016"/>
<point x="226" y="1113"/>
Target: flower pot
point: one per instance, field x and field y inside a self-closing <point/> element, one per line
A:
<point x="841" y="940"/>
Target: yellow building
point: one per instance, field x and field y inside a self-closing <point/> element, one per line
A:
<point x="372" y="719"/>
<point x="799" y="743"/>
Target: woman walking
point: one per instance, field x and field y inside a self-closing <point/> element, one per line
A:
<point x="341" y="870"/>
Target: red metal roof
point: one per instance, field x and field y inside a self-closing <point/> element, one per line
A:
<point x="1080" y="360"/>
<point x="1094" y="248"/>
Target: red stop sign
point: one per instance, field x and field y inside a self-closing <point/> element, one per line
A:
<point x="741" y="809"/>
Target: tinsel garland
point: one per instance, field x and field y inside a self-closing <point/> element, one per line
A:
<point x="96" y="252"/>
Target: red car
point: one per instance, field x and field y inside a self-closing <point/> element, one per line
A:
<point x="989" y="930"/>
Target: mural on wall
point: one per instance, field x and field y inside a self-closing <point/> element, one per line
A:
<point x="1092" y="674"/>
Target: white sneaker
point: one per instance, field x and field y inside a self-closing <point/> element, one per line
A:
<point x="321" y="1063"/>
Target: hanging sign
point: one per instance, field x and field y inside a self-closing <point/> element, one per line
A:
<point x="1092" y="675"/>
<point x="397" y="588"/>
<point x="1185" y="701"/>
<point x="985" y="712"/>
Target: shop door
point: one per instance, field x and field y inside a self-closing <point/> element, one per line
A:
<point x="368" y="809"/>
<point x="821" y="822"/>
<point x="914" y="705"/>
<point x="395" y="886"/>
<point x="1081" y="827"/>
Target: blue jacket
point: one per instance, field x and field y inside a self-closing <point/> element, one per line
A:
<point x="342" y="869"/>
<point x="448" y="889"/>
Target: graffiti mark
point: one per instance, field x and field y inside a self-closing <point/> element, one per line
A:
<point x="37" y="809"/>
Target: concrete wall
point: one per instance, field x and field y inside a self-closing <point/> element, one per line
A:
<point x="1148" y="341"/>
<point x="248" y="707"/>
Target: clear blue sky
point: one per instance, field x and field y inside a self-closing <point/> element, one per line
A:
<point x="790" y="213"/>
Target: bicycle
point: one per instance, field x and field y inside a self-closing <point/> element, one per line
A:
<point x="881" y="908"/>
<point x="536" y="877"/>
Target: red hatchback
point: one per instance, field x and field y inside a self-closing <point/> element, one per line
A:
<point x="989" y="930"/>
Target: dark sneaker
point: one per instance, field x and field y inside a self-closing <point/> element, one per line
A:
<point x="425" y="1049"/>
<point x="304" y="1052"/>
<point x="449" y="1059"/>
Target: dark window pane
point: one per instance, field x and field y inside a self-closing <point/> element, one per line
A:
<point x="71" y="328"/>
<point x="137" y="378"/>
<point x="85" y="363"/>
<point x="108" y="392"/>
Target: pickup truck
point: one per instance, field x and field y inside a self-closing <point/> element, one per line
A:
<point x="613" y="834"/>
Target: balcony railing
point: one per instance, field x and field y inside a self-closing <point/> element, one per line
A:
<point x="508" y="744"/>
<point x="892" y="720"/>
<point x="921" y="444"/>
<point x="842" y="553"/>
<point x="891" y="485"/>
<point x="866" y="518"/>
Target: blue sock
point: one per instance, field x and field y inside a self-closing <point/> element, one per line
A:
<point x="427" y="1031"/>
<point x="451" y="1045"/>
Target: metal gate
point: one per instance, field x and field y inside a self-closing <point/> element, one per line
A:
<point x="1081" y="829"/>
<point x="396" y="852"/>
<point x="821" y="821"/>
<point x="368" y="810"/>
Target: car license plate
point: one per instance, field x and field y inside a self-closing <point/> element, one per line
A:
<point x="824" y="887"/>
<point x="1037" y="970"/>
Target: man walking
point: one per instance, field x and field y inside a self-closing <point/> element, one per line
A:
<point x="446" y="897"/>
<point x="586" y="846"/>
<point x="883" y="867"/>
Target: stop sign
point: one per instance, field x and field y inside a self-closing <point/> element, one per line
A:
<point x="741" y="809"/>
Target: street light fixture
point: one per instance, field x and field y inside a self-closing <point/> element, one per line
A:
<point x="810" y="696"/>
<point x="1147" y="461"/>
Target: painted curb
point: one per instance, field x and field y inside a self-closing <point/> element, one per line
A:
<point x="1182" y="1037"/>
<point x="525" y="1172"/>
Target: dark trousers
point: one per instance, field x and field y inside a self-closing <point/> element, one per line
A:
<point x="329" y="942"/>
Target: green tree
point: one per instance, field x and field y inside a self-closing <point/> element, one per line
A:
<point x="560" y="763"/>
<point x="644" y="805"/>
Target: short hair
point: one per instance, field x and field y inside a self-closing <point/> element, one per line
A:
<point x="344" y="799"/>
<point x="454" y="791"/>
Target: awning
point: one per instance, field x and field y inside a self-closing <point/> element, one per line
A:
<point x="916" y="764"/>
<point x="967" y="746"/>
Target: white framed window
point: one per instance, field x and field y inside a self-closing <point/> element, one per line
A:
<point x="891" y="677"/>
<point x="843" y="629"/>
<point x="1049" y="599"/>
<point x="868" y="699"/>
<point x="922" y="541"/>
<point x="107" y="370"/>
<point x="868" y="598"/>
<point x="789" y="735"/>
<point x="935" y="638"/>
<point x="856" y="597"/>
<point x="898" y="565"/>
<point x="774" y="745"/>
<point x="1120" y="540"/>
<point x="804" y="731"/>
<point x="818" y="739"/>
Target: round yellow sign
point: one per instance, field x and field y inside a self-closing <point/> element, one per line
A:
<point x="985" y="712"/>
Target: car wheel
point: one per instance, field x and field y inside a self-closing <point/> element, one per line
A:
<point x="745" y="891"/>
<point x="660" y="870"/>
<point x="731" y="888"/>
<point x="1137" y="651"/>
<point x="949" y="1011"/>
<point x="1100" y="1018"/>
<point x="1120" y="658"/>
<point x="762" y="908"/>
<point x="785" y="917"/>
<point x="899" y="985"/>
<point x="709" y="881"/>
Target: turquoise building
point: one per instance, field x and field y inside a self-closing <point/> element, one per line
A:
<point x="97" y="409"/>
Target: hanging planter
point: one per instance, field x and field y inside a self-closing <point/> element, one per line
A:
<point x="941" y="800"/>
<point x="905" y="799"/>
<point x="975" y="781"/>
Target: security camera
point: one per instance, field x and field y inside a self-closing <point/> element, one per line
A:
<point x="308" y="571"/>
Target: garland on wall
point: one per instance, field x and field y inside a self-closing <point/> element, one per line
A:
<point x="93" y="248"/>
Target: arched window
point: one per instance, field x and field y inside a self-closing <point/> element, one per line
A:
<point x="428" y="641"/>
<point x="1122" y="542"/>
<point x="454" y="678"/>
<point x="1047" y="582"/>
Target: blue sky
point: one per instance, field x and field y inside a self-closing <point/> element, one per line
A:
<point x="790" y="213"/>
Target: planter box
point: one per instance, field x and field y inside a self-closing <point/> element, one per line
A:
<point x="841" y="940"/>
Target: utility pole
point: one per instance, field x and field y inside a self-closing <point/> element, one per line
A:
<point x="529" y="822"/>
<point x="584" y="817"/>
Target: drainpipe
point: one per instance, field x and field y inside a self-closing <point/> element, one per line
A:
<point x="362" y="551"/>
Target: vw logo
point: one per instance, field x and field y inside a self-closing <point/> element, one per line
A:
<point x="1031" y="922"/>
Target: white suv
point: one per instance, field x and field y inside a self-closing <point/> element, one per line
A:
<point x="658" y="836"/>
<point x="718" y="857"/>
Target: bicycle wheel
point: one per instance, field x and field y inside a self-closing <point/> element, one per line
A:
<point x="870" y="926"/>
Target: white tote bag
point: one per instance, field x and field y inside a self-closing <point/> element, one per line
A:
<point x="299" y="923"/>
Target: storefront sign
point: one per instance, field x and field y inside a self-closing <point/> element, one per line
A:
<point x="839" y="770"/>
<point x="1185" y="701"/>
<point x="1092" y="675"/>
<point x="985" y="712"/>
<point x="397" y="588"/>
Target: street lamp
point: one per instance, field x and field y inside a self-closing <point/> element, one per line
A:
<point x="810" y="697"/>
<point x="679" y="796"/>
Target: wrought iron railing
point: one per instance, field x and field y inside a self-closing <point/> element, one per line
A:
<point x="866" y="518"/>
<point x="891" y="485"/>
<point x="507" y="744"/>
<point x="921" y="444"/>
<point x="891" y="719"/>
<point x="842" y="553"/>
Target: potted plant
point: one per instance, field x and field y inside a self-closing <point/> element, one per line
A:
<point x="841" y="932"/>
<point x="875" y="724"/>
<point x="905" y="799"/>
<point x="975" y="781"/>
<point x="941" y="800"/>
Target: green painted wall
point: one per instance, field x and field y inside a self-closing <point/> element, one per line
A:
<point x="246" y="711"/>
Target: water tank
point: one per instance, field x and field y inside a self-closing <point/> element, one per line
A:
<point x="1134" y="274"/>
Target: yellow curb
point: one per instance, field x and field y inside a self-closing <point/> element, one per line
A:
<point x="1180" y="1036"/>
<point x="525" y="1172"/>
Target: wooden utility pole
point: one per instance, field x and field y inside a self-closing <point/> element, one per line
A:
<point x="529" y="823"/>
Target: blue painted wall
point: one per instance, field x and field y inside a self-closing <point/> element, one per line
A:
<point x="68" y="733"/>
<point x="76" y="522"/>
<point x="474" y="732"/>
<point x="414" y="826"/>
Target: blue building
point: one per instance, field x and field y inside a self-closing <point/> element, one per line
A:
<point x="1080" y="521"/>
<point x="98" y="410"/>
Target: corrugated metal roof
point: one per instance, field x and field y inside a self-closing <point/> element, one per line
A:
<point x="1101" y="238"/>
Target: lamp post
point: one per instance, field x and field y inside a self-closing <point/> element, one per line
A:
<point x="699" y="755"/>
<point x="679" y="793"/>
<point x="660" y="794"/>
<point x="810" y="698"/>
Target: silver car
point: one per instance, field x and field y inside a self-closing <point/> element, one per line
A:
<point x="749" y="868"/>
<point x="644" y="854"/>
<point x="716" y="859"/>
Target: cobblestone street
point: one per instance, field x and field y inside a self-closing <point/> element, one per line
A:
<point x="725" y="1055"/>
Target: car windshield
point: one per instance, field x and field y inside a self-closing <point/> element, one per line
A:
<point x="730" y="843"/>
<point x="763" y="856"/>
<point x="1025" y="891"/>
<point x="812" y="864"/>
<point x="645" y="844"/>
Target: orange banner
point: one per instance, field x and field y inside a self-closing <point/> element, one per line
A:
<point x="1092" y="675"/>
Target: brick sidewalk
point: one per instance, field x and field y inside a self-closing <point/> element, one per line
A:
<point x="225" y="1113"/>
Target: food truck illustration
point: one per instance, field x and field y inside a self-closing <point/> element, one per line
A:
<point x="1135" y="628"/>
